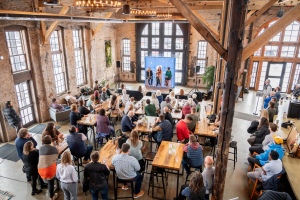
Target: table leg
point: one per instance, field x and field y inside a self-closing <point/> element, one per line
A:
<point x="214" y="148"/>
<point x="204" y="145"/>
<point x="93" y="128"/>
<point x="152" y="178"/>
<point x="151" y="144"/>
<point x="114" y="183"/>
<point x="177" y="184"/>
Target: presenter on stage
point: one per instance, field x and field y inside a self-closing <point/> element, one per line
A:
<point x="158" y="76"/>
<point x="149" y="76"/>
<point x="168" y="76"/>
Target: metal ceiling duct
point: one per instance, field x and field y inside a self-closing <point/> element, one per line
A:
<point x="51" y="2"/>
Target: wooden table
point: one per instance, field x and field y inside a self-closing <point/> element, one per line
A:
<point x="164" y="159"/>
<point x="204" y="130"/>
<point x="90" y="121"/>
<point x="62" y="145"/>
<point x="291" y="166"/>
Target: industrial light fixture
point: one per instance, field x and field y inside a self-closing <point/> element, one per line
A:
<point x="126" y="9"/>
<point x="280" y="13"/>
<point x="143" y="13"/>
<point x="97" y="5"/>
<point x="51" y="2"/>
<point x="161" y="15"/>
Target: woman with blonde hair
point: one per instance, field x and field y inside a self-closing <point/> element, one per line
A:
<point x="192" y="103"/>
<point x="172" y="97"/>
<point x="125" y="97"/>
<point x="155" y="101"/>
<point x="158" y="76"/>
<point x="31" y="160"/>
<point x="91" y="103"/>
<point x="68" y="177"/>
<point x="136" y="148"/>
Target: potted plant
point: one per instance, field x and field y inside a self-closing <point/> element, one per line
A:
<point x="208" y="76"/>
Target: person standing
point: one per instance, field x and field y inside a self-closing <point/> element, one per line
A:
<point x="96" y="172"/>
<point x="149" y="76"/>
<point x="168" y="76"/>
<point x="267" y="89"/>
<point x="12" y="116"/>
<point x="158" y="76"/>
<point x="47" y="164"/>
<point x="31" y="159"/>
<point x="67" y="175"/>
<point x="208" y="175"/>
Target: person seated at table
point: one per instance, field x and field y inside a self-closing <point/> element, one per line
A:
<point x="183" y="133"/>
<point x="194" y="155"/>
<point x="58" y="106"/>
<point x="172" y="97"/>
<point x="23" y="137"/>
<point x="114" y="105"/>
<point x="97" y="86"/>
<point x="125" y="97"/>
<point x="194" y="97"/>
<point x="75" y="116"/>
<point x="52" y="132"/>
<point x="168" y="115"/>
<point x="108" y="92"/>
<point x="166" y="103"/>
<point x="90" y="103"/>
<point x="274" y="100"/>
<point x="82" y="109"/>
<point x="254" y="124"/>
<point x="67" y="175"/>
<point x="104" y="95"/>
<point x="140" y="89"/>
<point x="161" y="131"/>
<point x="97" y="97"/>
<point x="154" y="101"/>
<point x="136" y="148"/>
<point x="84" y="91"/>
<point x="270" y="194"/>
<point x="127" y="168"/>
<point x="103" y="129"/>
<point x="192" y="102"/>
<point x="48" y="155"/>
<point x="149" y="76"/>
<point x="77" y="146"/>
<point x="262" y="158"/>
<point x="150" y="109"/>
<point x="271" y="168"/>
<point x="168" y="76"/>
<point x="130" y="102"/>
<point x="218" y="119"/>
<point x="159" y="96"/>
<point x="186" y="109"/>
<point x="193" y="115"/>
<point x="123" y="86"/>
<point x="31" y="160"/>
<point x="195" y="190"/>
<point x="271" y="111"/>
<point x="268" y="99"/>
<point x="277" y="93"/>
<point x="96" y="173"/>
<point x="181" y="92"/>
<point x="260" y="148"/>
<point x="259" y="136"/>
<point x="208" y="175"/>
<point x="70" y="98"/>
<point x="128" y="123"/>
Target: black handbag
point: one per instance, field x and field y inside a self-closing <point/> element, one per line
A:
<point x="286" y="124"/>
<point x="86" y="185"/>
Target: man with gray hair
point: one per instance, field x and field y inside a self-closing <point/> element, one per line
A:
<point x="267" y="88"/>
<point x="127" y="123"/>
<point x="296" y="92"/>
<point x="186" y="110"/>
<point x="268" y="99"/>
<point x="208" y="175"/>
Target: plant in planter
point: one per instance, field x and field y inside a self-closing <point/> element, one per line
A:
<point x="208" y="76"/>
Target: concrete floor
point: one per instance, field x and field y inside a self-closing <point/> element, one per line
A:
<point x="13" y="180"/>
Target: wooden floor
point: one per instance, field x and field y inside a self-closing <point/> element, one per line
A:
<point x="13" y="180"/>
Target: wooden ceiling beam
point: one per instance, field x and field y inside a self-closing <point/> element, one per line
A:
<point x="268" y="34"/>
<point x="54" y="24"/>
<point x="43" y="28"/>
<point x="209" y="27"/>
<point x="199" y="26"/>
<point x="250" y="13"/>
<point x="94" y="32"/>
<point x="260" y="12"/>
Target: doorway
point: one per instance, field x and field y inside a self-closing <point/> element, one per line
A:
<point x="275" y="73"/>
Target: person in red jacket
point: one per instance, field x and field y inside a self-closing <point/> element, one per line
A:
<point x="186" y="110"/>
<point x="183" y="133"/>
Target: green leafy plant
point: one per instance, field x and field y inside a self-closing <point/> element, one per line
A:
<point x="208" y="76"/>
<point x="108" y="53"/>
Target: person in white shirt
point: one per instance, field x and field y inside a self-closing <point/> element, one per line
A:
<point x="125" y="97"/>
<point x="70" y="97"/>
<point x="172" y="97"/>
<point x="131" y="102"/>
<point x="155" y="101"/>
<point x="67" y="175"/>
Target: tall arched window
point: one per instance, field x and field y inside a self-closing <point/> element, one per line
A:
<point x="163" y="40"/>
<point x="278" y="60"/>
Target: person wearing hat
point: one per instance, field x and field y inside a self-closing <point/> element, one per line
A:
<point x="263" y="158"/>
<point x="166" y="103"/>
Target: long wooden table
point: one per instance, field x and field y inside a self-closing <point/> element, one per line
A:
<point x="62" y="144"/>
<point x="168" y="159"/>
<point x="90" y="121"/>
<point x="107" y="153"/>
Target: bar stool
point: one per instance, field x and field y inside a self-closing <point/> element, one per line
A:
<point x="79" y="163"/>
<point x="158" y="172"/>
<point x="149" y="158"/>
<point x="233" y="144"/>
<point x="168" y="86"/>
<point x="117" y="187"/>
<point x="191" y="171"/>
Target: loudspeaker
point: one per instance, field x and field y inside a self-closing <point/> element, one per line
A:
<point x="51" y="2"/>
<point x="126" y="9"/>
<point x="197" y="69"/>
<point x="118" y="64"/>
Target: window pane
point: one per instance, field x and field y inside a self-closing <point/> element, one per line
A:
<point x="202" y="65"/>
<point x="296" y="76"/>
<point x="143" y="75"/>
<point x="179" y="43"/>
<point x="202" y="49"/>
<point x="167" y="54"/>
<point x="178" y="30"/>
<point x="126" y="47"/>
<point x="126" y="62"/>
<point x="178" y="56"/>
<point x="288" y="51"/>
<point x="145" y="31"/>
<point x="286" y="77"/>
<point x="54" y="41"/>
<point x="178" y="77"/>
<point x="155" y="28"/>
<point x="155" y="43"/>
<point x="167" y="43"/>
<point x="24" y="101"/>
<point x="78" y="58"/>
<point x="143" y="55"/>
<point x="155" y="54"/>
<point x="276" y="38"/>
<point x="271" y="51"/>
<point x="258" y="52"/>
<point x="253" y="74"/>
<point x="168" y="28"/>
<point x="144" y="42"/>
<point x="262" y="76"/>
<point x="291" y="32"/>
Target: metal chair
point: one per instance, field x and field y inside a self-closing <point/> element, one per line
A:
<point x="233" y="144"/>
<point x="117" y="187"/>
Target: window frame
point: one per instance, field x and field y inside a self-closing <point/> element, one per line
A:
<point x="81" y="50"/>
<point x="202" y="59"/>
<point x="125" y="56"/>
